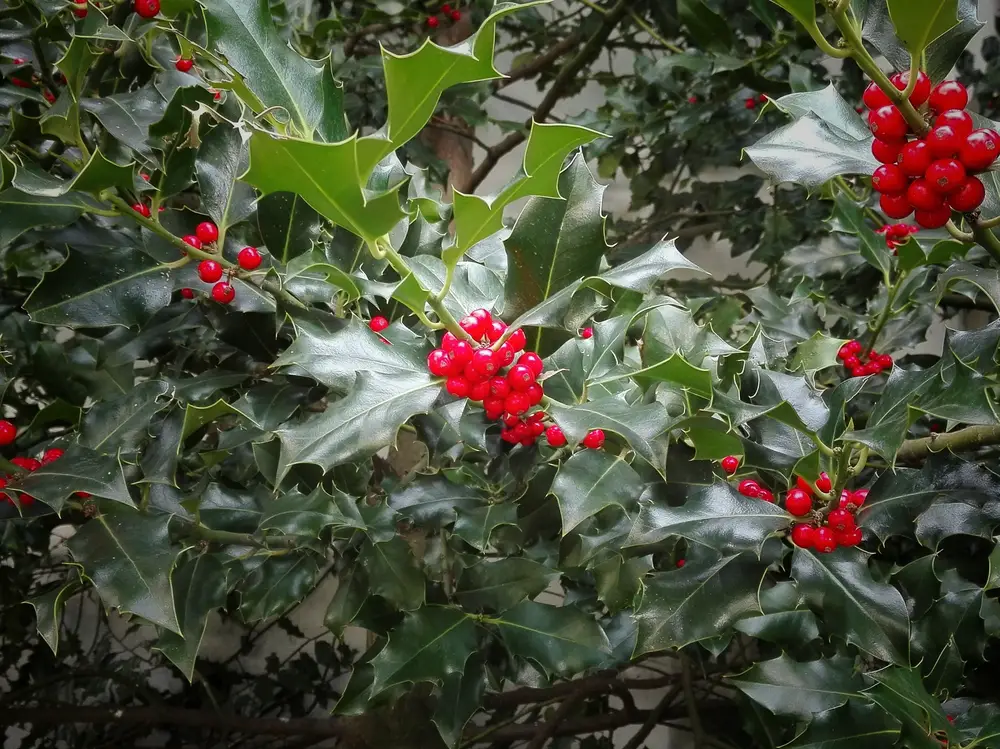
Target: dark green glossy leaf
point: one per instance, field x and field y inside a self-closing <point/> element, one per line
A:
<point x="20" y="212"/>
<point x="49" y="609"/>
<point x="562" y="640"/>
<point x="501" y="584"/>
<point x="127" y="117"/>
<point x="432" y="500"/>
<point x="706" y="26"/>
<point x="901" y="693"/>
<point x="222" y="158"/>
<point x="782" y="627"/>
<point x="475" y="527"/>
<point x="288" y="225"/>
<point x="460" y="699"/>
<point x="78" y="470"/>
<point x="298" y="515"/>
<point x="919" y="22"/>
<point x="619" y="579"/>
<point x="592" y="480"/>
<point x="393" y="573"/>
<point x="200" y="587"/>
<point x="801" y="689"/>
<point x="277" y="584"/>
<point x="855" y="725"/>
<point x="115" y="424"/>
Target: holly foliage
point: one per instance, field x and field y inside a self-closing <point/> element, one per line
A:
<point x="218" y="456"/>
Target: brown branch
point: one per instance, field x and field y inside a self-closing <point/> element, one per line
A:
<point x="697" y="732"/>
<point x="587" y="686"/>
<point x="556" y="91"/>
<point x="969" y="438"/>
<point x="653" y="718"/>
<point x="541" y="62"/>
<point x="547" y="730"/>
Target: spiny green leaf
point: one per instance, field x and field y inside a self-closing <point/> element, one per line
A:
<point x="78" y="470"/>
<point x="49" y="608"/>
<point x="393" y="573"/>
<point x="919" y="22"/>
<point x="801" y="689"/>
<point x="277" y="584"/>
<point x="592" y="480"/>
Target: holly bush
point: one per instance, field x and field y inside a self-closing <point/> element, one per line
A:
<point x="249" y="346"/>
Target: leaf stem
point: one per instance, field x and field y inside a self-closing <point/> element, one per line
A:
<point x="987" y="240"/>
<point x="240" y="539"/>
<point x="969" y="438"/>
<point x="883" y="319"/>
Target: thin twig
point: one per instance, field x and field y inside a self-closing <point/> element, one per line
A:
<point x="653" y="719"/>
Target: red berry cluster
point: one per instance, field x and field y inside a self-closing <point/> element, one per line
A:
<point x="931" y="175"/>
<point x="823" y="534"/>
<point x="479" y="375"/>
<point x="860" y="364"/>
<point x="147" y="8"/>
<point x="446" y="12"/>
<point x="896" y="234"/>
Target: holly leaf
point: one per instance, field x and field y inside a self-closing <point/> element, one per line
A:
<point x="502" y="584"/>
<point x="850" y="602"/>
<point x="787" y="628"/>
<point x="222" y="158"/>
<point x="128" y="557"/>
<point x="127" y="117"/>
<point x="618" y="580"/>
<point x="350" y="596"/>
<point x="856" y="724"/>
<point x="919" y="22"/>
<point x="113" y="424"/>
<point x="78" y="470"/>
<point x="476" y="527"/>
<point x="288" y="224"/>
<point x="827" y="105"/>
<point x="563" y="641"/>
<point x="432" y="501"/>
<point x="800" y="689"/>
<point x="901" y="693"/>
<point x="431" y="644"/>
<point x="392" y="570"/>
<point x="460" y="699"/>
<point x="592" y="480"/>
<point x="49" y="608"/>
<point x="295" y="514"/>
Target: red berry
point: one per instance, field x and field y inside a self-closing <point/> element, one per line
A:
<point x="803" y="485"/>
<point x="798" y="502"/>
<point x="874" y="97"/>
<point x="184" y="64"/>
<point x="949" y="95"/>
<point x="7" y="432"/>
<point x="531" y="360"/>
<point x="223" y="292"/>
<point x="888" y="123"/>
<point x="493" y="408"/>
<point x="475" y="327"/>
<point x="209" y="271"/>
<point x="448" y="341"/>
<point x="859" y="371"/>
<point x="680" y="563"/>
<point x="855" y="346"/>
<point x="895" y="206"/>
<point x="536" y="416"/>
<point x="217" y="95"/>
<point x="147" y="8"/>
<point x="473" y="375"/>
<point x="516" y="403"/>
<point x="958" y="120"/>
<point x="80" y="12"/>
<point x="914" y="158"/>
<point x="824" y="540"/>
<point x="142" y="210"/>
<point x="823" y="483"/>
<point x="885" y="361"/>
<point x="840" y="520"/>
<point x="979" y="150"/>
<point x="505" y="354"/>
<point x="479" y="391"/>
<point x="844" y="352"/>
<point x="969" y="196"/>
<point x="458" y="386"/>
<point x="28" y="464"/>
<point x="446" y="8"/>
<point x="249" y="258"/>
<point x="496" y="330"/>
<point x="456" y="15"/>
<point x="461" y="353"/>
<point x="207" y="232"/>
<point x="518" y="340"/>
<point x="144" y="176"/>
<point x="766" y="495"/>
<point x="439" y="363"/>
<point x="923" y="197"/>
<point x="511" y="420"/>
<point x="852" y="361"/>
<point x="804" y="535"/>
<point x="485" y="362"/>
<point x="730" y="463"/>
<point x="520" y="377"/>
<point x="945" y="175"/>
<point x="433" y="22"/>
<point x="555" y="436"/>
<point x="889" y="178"/>
<point x="192" y="240"/>
<point x="749" y="488"/>
<point x="587" y="333"/>
<point x="53" y="453"/>
<point x="26" y="500"/>
<point x="499" y="387"/>
<point x="49" y="96"/>
<point x="886" y="152"/>
<point x="534" y="393"/>
<point x="850" y="537"/>
<point x="859" y="496"/>
<point x="187" y="293"/>
<point x="378" y="323"/>
<point x="536" y="429"/>
<point x="750" y="103"/>
<point x="921" y="91"/>
<point x="594" y="439"/>
<point x="933" y="219"/>
<point x="943" y="142"/>
<point x="483" y="315"/>
<point x="692" y="100"/>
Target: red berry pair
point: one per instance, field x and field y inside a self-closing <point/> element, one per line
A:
<point x="750" y="488"/>
<point x="860" y="364"/>
<point x="896" y="234"/>
<point x="931" y="175"/>
<point x="447" y="12"/>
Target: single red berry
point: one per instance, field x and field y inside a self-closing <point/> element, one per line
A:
<point x="187" y="293"/>
<point x="456" y="15"/>
<point x="804" y="535"/>
<point x="483" y="315"/>
<point x="555" y="437"/>
<point x="850" y="537"/>
<point x="499" y="387"/>
<point x="859" y="371"/>
<point x="207" y="232"/>
<point x="505" y="354"/>
<point x="533" y="361"/>
<point x="692" y="100"/>
<point x="209" y="271"/>
<point x="958" y="120"/>
<point x="249" y="258"/>
<point x="184" y="64"/>
<point x="587" y="333"/>
<point x="762" y="98"/>
<point x="536" y="416"/>
<point x="493" y="407"/>
<point x="886" y="152"/>
<point x="458" y="386"/>
<point x="479" y="391"/>
<point x="888" y="123"/>
<point x="192" y="240"/>
<point x="28" y="464"/>
<point x="145" y="177"/>
<point x="440" y="364"/>
<point x="26" y="500"/>
<point x="885" y="361"/>
<point x="49" y="96"/>
<point x="518" y="340"/>
<point x="874" y="97"/>
<point x="516" y="403"/>
<point x="730" y="463"/>
<point x="798" y="502"/>
<point x="496" y="330"/>
<point x="844" y="352"/>
<point x="433" y="22"/>
<point x="823" y="483"/>
<point x="147" y="8"/>
<point x="680" y="563"/>
<point x="855" y="346"/>
<point x="507" y="435"/>
<point x="473" y="375"/>
<point x="536" y="429"/>
<point x="766" y="494"/>
<point x="485" y="362"/>
<point x="448" y="341"/>
<point x="824" y="540"/>
<point x="895" y="206"/>
<point x="969" y="196"/>
<point x="923" y="197"/>
<point x="52" y="454"/>
<point x="943" y="142"/>
<point x="945" y="175"/>
<point x="852" y="361"/>
<point x="511" y="420"/>
<point x="979" y="150"/>
<point x="858" y="497"/>
<point x="534" y="393"/>
<point x="594" y="439"/>
<point x="750" y="103"/>
<point x="951" y="718"/>
<point x="475" y="327"/>
<point x="520" y="377"/>
<point x="914" y="158"/>
<point x="446" y="8"/>
<point x="889" y="178"/>
<point x="461" y="353"/>
<point x="840" y="520"/>
<point x="7" y="432"/>
<point x="803" y="485"/>
<point x="223" y="292"/>
<point x="217" y="95"/>
<point x="921" y="91"/>
<point x="142" y="210"/>
<point x="748" y="488"/>
<point x="933" y="219"/>
<point x="949" y="95"/>
<point x="378" y="323"/>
